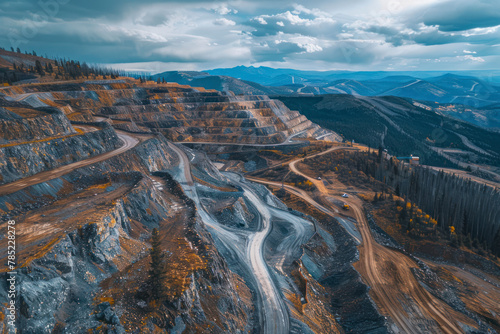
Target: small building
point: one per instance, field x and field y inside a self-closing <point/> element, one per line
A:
<point x="412" y="160"/>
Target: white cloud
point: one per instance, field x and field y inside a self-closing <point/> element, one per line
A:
<point x="480" y="31"/>
<point x="310" y="48"/>
<point x="224" y="22"/>
<point x="260" y="20"/>
<point x="224" y="10"/>
<point x="470" y="57"/>
<point x="294" y="18"/>
<point x="322" y="34"/>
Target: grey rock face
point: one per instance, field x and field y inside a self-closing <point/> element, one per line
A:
<point x="28" y="159"/>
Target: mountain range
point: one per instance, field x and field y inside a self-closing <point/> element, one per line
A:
<point x="438" y="87"/>
<point x="459" y="95"/>
<point x="156" y="207"/>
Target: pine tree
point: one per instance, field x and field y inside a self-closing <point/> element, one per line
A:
<point x="7" y="78"/>
<point x="465" y="223"/>
<point x="157" y="272"/>
<point x="380" y="152"/>
<point x="39" y="68"/>
<point x="495" y="248"/>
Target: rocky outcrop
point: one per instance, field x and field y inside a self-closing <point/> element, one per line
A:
<point x="22" y="160"/>
<point x="93" y="226"/>
<point x="328" y="257"/>
<point x="45" y="126"/>
<point x="85" y="236"/>
<point x="217" y="117"/>
<point x="181" y="113"/>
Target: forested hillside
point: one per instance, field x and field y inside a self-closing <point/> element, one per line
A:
<point x="402" y="128"/>
<point x="464" y="211"/>
<point x="17" y="66"/>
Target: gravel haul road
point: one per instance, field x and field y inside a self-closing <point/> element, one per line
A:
<point x="248" y="247"/>
<point x="373" y="257"/>
<point x="128" y="143"/>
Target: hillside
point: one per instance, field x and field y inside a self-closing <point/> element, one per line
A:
<point x="181" y="113"/>
<point x="19" y="68"/>
<point x="476" y="89"/>
<point x="84" y="204"/>
<point x="121" y="226"/>
<point x="401" y="127"/>
<point x="486" y="117"/>
<point x="86" y="175"/>
<point x="218" y="82"/>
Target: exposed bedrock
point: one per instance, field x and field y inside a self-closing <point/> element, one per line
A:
<point x="85" y="229"/>
<point x="181" y="113"/>
<point x="24" y="160"/>
<point x="328" y="257"/>
<point x="43" y="126"/>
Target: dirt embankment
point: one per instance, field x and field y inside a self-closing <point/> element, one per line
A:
<point x="89" y="229"/>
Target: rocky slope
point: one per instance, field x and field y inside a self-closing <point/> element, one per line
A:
<point x="86" y="199"/>
<point x="89" y="229"/>
<point x="181" y="113"/>
<point x="39" y="139"/>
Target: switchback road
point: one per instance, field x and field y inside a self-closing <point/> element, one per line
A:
<point x="373" y="259"/>
<point x="9" y="188"/>
<point x="273" y="314"/>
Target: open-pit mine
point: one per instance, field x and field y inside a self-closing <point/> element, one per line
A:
<point x="148" y="207"/>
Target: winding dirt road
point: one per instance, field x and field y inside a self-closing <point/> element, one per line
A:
<point x="9" y="188"/>
<point x="370" y="253"/>
<point x="387" y="291"/>
<point x="287" y="141"/>
<point x="274" y="318"/>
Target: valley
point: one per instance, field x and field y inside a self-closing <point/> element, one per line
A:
<point x="255" y="214"/>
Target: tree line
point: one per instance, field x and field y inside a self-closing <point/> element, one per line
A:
<point x="59" y="68"/>
<point x="466" y="210"/>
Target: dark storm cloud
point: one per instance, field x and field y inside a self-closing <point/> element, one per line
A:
<point x="458" y="15"/>
<point x="206" y="33"/>
<point x="87" y="9"/>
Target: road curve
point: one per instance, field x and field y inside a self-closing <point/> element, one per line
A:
<point x="287" y="141"/>
<point x="183" y="164"/>
<point x="302" y="194"/>
<point x="318" y="183"/>
<point x="9" y="188"/>
<point x="296" y="191"/>
<point x="301" y="159"/>
<point x="273" y="314"/>
<point x="426" y="302"/>
<point x="391" y="304"/>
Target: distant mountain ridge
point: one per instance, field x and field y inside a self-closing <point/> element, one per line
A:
<point x="218" y="82"/>
<point x="267" y="75"/>
<point x="463" y="88"/>
<point x="400" y="126"/>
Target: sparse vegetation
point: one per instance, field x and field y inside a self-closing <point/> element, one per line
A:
<point x="157" y="271"/>
<point x="22" y="68"/>
<point x="462" y="209"/>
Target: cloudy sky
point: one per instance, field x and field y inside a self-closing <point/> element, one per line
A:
<point x="158" y="35"/>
